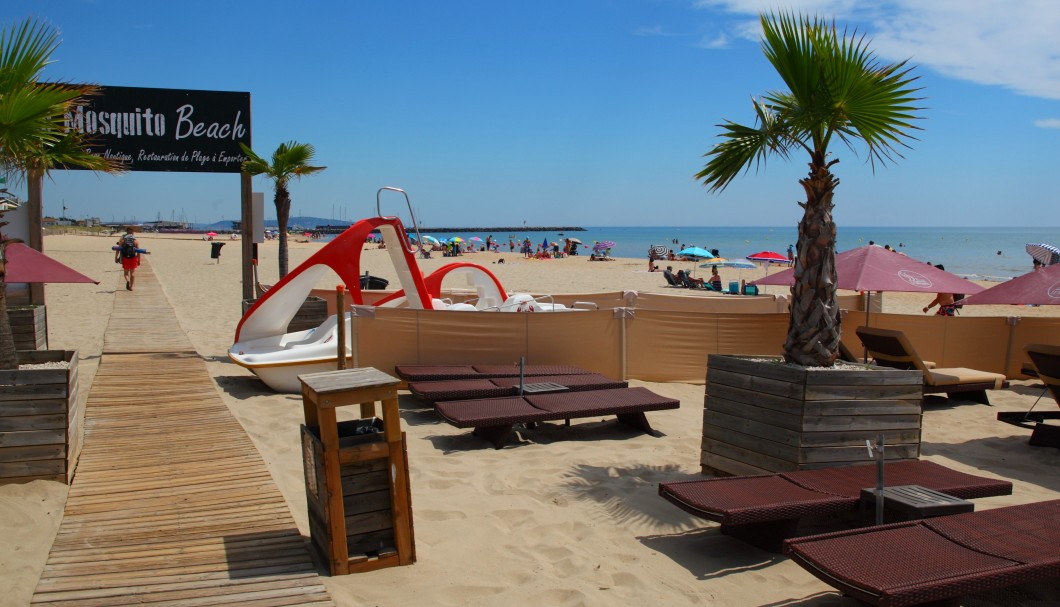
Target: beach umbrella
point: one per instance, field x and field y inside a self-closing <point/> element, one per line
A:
<point x="768" y="256"/>
<point x="575" y="240"/>
<point x="870" y="268"/>
<point x="604" y="244"/>
<point x="456" y="239"/>
<point x="431" y="240"/>
<point x="475" y="239"/>
<point x="729" y="263"/>
<point x="26" y="264"/>
<point x="1045" y="253"/>
<point x="696" y="252"/>
<point x="1039" y="287"/>
<point x="211" y="233"/>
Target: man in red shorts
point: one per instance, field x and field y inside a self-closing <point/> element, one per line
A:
<point x="128" y="256"/>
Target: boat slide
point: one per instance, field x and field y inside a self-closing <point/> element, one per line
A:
<point x="263" y="345"/>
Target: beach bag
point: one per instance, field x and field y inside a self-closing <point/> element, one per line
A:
<point x="128" y="248"/>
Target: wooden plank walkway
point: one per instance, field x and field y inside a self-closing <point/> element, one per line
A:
<point x="171" y="503"/>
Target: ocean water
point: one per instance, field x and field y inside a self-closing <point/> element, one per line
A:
<point x="975" y="253"/>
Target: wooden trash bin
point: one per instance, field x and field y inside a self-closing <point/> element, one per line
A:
<point x="356" y="471"/>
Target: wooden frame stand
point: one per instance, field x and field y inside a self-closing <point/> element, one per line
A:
<point x="357" y="482"/>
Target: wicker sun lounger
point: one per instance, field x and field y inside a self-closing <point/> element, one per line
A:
<point x="463" y="389"/>
<point x="448" y="372"/>
<point x="493" y="418"/>
<point x="765" y="509"/>
<point x="939" y="558"/>
<point x="893" y="349"/>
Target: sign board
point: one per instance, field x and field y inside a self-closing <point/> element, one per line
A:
<point x="179" y="130"/>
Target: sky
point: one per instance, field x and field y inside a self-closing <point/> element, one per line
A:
<point x="566" y="112"/>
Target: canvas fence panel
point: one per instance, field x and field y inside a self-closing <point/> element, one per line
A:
<point x="1025" y="331"/>
<point x="761" y="334"/>
<point x="589" y="339"/>
<point x="762" y="304"/>
<point x="665" y="345"/>
<point x="606" y="301"/>
<point x="383" y="338"/>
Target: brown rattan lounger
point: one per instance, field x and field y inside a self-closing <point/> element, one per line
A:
<point x="765" y="509"/>
<point x="493" y="418"/>
<point x="939" y="558"/>
<point x="893" y="349"/>
<point x="464" y="389"/>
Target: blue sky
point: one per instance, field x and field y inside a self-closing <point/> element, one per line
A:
<point x="566" y="112"/>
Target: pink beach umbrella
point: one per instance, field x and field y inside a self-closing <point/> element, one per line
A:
<point x="870" y="268"/>
<point x="1041" y="287"/>
<point x="25" y="264"/>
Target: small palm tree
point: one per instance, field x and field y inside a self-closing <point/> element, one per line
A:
<point x="837" y="89"/>
<point x="291" y="159"/>
<point x="33" y="140"/>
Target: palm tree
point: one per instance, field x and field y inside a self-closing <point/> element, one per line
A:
<point x="291" y="159"/>
<point x="32" y="138"/>
<point x="837" y="89"/>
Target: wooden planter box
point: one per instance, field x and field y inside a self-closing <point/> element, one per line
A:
<point x="29" y="326"/>
<point x="765" y="416"/>
<point x="313" y="312"/>
<point x="40" y="430"/>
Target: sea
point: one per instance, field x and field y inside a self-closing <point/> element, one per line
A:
<point x="975" y="253"/>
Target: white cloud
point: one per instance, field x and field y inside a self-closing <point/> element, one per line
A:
<point x="654" y="30"/>
<point x="1048" y="123"/>
<point x="1009" y="44"/>
<point x="715" y="41"/>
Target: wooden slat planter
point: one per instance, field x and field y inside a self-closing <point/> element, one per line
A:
<point x="40" y="430"/>
<point x="314" y="311"/>
<point x="29" y="326"/>
<point x="765" y="416"/>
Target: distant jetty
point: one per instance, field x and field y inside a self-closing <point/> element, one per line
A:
<point x="330" y="229"/>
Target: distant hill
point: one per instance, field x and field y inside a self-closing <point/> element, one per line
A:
<point x="295" y="222"/>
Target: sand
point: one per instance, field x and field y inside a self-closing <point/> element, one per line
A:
<point x="565" y="516"/>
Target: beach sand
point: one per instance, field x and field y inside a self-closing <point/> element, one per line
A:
<point x="564" y="516"/>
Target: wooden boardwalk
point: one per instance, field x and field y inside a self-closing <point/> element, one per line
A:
<point x="171" y="503"/>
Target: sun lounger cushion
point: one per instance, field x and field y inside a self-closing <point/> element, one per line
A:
<point x="463" y="389"/>
<point x="435" y="372"/>
<point x="493" y="418"/>
<point x="939" y="558"/>
<point x="448" y="372"/>
<point x="617" y="401"/>
<point x="743" y="500"/>
<point x="959" y="375"/>
<point x="529" y="370"/>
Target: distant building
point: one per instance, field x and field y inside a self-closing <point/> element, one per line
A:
<point x="163" y="226"/>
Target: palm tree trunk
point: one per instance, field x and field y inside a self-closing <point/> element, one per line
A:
<point x="283" y="214"/>
<point x="814" y="326"/>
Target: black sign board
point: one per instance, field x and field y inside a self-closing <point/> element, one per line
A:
<point x="166" y="129"/>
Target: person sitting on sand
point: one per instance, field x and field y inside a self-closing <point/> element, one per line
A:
<point x="715" y="278"/>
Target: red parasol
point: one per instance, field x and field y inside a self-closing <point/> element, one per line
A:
<point x="25" y="264"/>
<point x="1041" y="287"/>
<point x="769" y="256"/>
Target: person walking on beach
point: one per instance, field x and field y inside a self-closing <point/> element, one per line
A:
<point x="129" y="257"/>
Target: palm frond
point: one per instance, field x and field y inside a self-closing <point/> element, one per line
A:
<point x="744" y="146"/>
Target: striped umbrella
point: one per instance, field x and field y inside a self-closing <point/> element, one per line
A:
<point x="1045" y="253"/>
